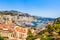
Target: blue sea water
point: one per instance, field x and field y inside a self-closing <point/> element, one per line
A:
<point x="44" y="21"/>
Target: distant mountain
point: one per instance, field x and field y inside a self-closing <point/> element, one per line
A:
<point x="12" y="12"/>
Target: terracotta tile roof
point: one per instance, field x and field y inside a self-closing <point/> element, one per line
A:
<point x="6" y="26"/>
<point x="10" y="30"/>
<point x="1" y="28"/>
<point x="20" y="30"/>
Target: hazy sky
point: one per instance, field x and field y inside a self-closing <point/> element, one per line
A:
<point x="44" y="8"/>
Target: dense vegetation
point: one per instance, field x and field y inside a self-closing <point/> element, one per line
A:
<point x="1" y="38"/>
<point x="30" y="36"/>
<point x="52" y="32"/>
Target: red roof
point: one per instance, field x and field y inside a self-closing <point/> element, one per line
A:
<point x="3" y="26"/>
<point x="20" y="30"/>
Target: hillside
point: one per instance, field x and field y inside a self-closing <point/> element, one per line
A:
<point x="36" y="21"/>
<point x="51" y="32"/>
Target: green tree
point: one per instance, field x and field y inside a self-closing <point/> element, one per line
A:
<point x="1" y="38"/>
<point x="30" y="36"/>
